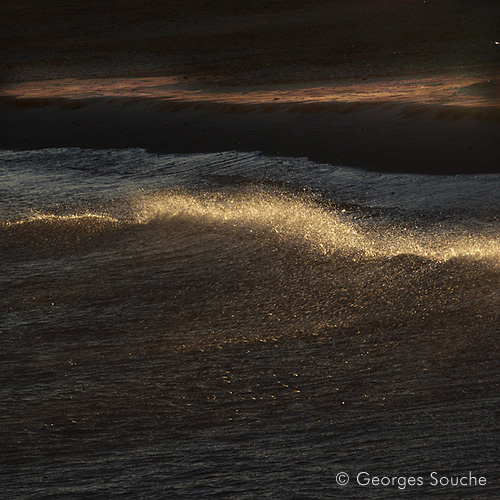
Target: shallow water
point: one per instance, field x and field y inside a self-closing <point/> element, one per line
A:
<point x="236" y="326"/>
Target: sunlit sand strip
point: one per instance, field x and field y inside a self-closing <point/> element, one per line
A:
<point x="463" y="90"/>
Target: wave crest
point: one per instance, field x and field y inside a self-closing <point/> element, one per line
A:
<point x="301" y="220"/>
<point x="296" y="221"/>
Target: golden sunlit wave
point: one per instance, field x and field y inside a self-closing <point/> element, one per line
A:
<point x="275" y="216"/>
<point x="322" y="230"/>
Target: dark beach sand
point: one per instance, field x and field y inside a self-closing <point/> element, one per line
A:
<point x="236" y="42"/>
<point x="243" y="45"/>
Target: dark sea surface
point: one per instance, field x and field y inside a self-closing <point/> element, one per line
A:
<point x="237" y="326"/>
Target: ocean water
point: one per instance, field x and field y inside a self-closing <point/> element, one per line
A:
<point x="237" y="326"/>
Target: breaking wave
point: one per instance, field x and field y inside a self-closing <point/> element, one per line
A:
<point x="284" y="218"/>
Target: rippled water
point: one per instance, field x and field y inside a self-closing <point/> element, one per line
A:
<point x="237" y="326"/>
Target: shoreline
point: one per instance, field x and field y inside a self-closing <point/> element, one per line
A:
<point x="377" y="138"/>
